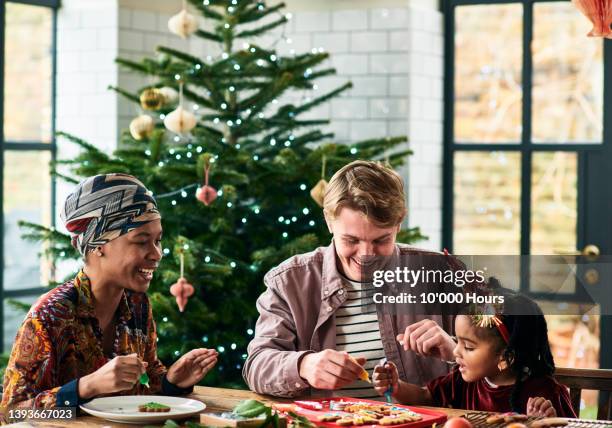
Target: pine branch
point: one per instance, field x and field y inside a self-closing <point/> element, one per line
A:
<point x="254" y="14"/>
<point x="126" y="94"/>
<point x="323" y="98"/>
<point x="133" y="65"/>
<point x="208" y="35"/>
<point x="199" y="99"/>
<point x="206" y="10"/>
<point x="182" y="56"/>
<point x="264" y="28"/>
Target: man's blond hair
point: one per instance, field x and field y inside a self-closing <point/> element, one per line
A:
<point x="369" y="187"/>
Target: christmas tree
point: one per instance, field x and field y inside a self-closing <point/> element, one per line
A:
<point x="239" y="143"/>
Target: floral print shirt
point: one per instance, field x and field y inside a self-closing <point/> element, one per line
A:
<point x="60" y="341"/>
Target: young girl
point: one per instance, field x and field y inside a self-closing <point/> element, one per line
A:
<point x="503" y="363"/>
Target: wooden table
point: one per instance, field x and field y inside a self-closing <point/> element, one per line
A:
<point x="216" y="400"/>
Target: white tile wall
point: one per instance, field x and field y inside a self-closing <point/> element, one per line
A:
<point x="393" y="56"/>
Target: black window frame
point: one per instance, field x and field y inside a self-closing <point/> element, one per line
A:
<point x="526" y="148"/>
<point x="7" y="145"/>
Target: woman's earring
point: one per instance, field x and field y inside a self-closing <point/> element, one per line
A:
<point x="99" y="252"/>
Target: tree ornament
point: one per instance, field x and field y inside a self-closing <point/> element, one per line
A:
<point x="142" y="127"/>
<point x="182" y="289"/>
<point x="171" y="95"/>
<point x="206" y="194"/>
<point x="183" y="24"/>
<point x="180" y="120"/>
<point x="151" y="99"/>
<point x="318" y="191"/>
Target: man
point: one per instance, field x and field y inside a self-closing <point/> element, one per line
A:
<point x="312" y="333"/>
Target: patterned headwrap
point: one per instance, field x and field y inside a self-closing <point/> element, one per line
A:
<point x="104" y="207"/>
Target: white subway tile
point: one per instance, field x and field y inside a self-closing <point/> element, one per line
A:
<point x="367" y="129"/>
<point x="350" y="64"/>
<point x="399" y="85"/>
<point x="349" y="20"/>
<point x="144" y="20"/>
<point x="369" y="86"/>
<point x="106" y="38"/>
<point x="399" y="40"/>
<point x="421" y="41"/>
<point x="349" y="108"/>
<point x="312" y="21"/>
<point x="420" y="86"/>
<point x="415" y="107"/>
<point x="99" y="18"/>
<point x="68" y="19"/>
<point x="398" y="127"/>
<point x="388" y="108"/>
<point x="131" y="40"/>
<point x="125" y="18"/>
<point x="331" y="42"/>
<point x="369" y="41"/>
<point x="416" y="19"/>
<point x="162" y="22"/>
<point x="434" y="65"/>
<point x="67" y="62"/>
<point x="389" y="18"/>
<point x="341" y="130"/>
<point x="152" y="41"/>
<point x="432" y="109"/>
<point x="92" y="61"/>
<point x="389" y="63"/>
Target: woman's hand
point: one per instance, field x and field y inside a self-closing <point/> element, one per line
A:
<point x="192" y="367"/>
<point x="119" y="374"/>
<point x="385" y="376"/>
<point x="540" y="406"/>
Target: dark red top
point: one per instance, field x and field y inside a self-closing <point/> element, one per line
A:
<point x="452" y="391"/>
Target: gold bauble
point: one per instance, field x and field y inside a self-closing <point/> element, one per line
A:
<point x="318" y="192"/>
<point x="142" y="127"/>
<point x="151" y="99"/>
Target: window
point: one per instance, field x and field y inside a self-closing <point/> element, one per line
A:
<point x="527" y="147"/>
<point x="27" y="63"/>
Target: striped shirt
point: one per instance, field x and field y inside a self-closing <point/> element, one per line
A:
<point x="358" y="334"/>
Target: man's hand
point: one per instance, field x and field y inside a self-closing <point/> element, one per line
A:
<point x="427" y="338"/>
<point x="330" y="369"/>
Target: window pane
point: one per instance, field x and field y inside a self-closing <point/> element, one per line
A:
<point x="488" y="64"/>
<point x="487" y="188"/>
<point x="27" y="196"/>
<point x="27" y="84"/>
<point x="554" y="201"/>
<point x="13" y="318"/>
<point x="567" y="76"/>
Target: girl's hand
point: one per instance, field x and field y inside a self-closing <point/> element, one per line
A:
<point x="539" y="406"/>
<point x="385" y="376"/>
<point x="192" y="367"/>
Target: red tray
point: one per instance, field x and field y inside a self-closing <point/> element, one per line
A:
<point x="429" y="416"/>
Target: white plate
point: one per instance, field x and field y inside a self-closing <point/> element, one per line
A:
<point x="124" y="408"/>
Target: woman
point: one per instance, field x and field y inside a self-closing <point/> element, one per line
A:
<point x="96" y="335"/>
